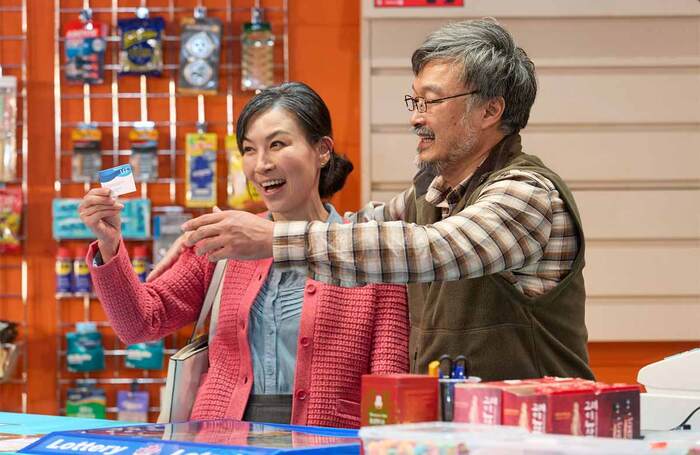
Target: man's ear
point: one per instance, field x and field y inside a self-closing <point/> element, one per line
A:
<point x="493" y="111"/>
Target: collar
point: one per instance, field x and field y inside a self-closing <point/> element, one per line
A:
<point x="333" y="215"/>
<point x="439" y="192"/>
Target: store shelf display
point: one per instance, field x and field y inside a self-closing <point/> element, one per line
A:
<point x="144" y="118"/>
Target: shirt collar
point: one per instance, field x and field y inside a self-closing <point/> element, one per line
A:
<point x="333" y="215"/>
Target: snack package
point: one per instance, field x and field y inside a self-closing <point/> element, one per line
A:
<point x="132" y="406"/>
<point x="87" y="153"/>
<point x="200" y="51"/>
<point x="141" y="44"/>
<point x="86" y="401"/>
<point x="146" y="356"/>
<point x="8" y="128"/>
<point x="239" y="190"/>
<point x="200" y="179"/>
<point x="85" y="351"/>
<point x="144" y="151"/>
<point x="10" y="219"/>
<point x="85" y="49"/>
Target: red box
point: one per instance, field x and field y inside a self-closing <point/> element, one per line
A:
<point x="398" y="398"/>
<point x="481" y="402"/>
<point x="618" y="410"/>
<point x="573" y="408"/>
<point x="525" y="406"/>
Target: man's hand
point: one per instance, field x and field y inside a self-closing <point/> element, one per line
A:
<point x="230" y="235"/>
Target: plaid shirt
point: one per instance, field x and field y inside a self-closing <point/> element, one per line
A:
<point x="518" y="227"/>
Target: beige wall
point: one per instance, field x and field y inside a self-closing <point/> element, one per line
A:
<point x="617" y="115"/>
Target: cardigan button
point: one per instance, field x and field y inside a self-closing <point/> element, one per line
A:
<point x="311" y="288"/>
<point x="301" y="395"/>
<point x="304" y="341"/>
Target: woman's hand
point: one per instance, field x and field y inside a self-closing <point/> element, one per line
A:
<point x="231" y="234"/>
<point x="100" y="212"/>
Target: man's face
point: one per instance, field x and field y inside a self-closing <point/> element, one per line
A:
<point x="446" y="133"/>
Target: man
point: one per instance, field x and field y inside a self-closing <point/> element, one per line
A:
<point x="488" y="239"/>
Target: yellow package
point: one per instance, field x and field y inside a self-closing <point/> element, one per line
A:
<point x="239" y="189"/>
<point x="200" y="163"/>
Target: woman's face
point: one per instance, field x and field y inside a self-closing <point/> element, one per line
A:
<point x="282" y="165"/>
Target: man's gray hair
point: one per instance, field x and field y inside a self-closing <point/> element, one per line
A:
<point x="490" y="62"/>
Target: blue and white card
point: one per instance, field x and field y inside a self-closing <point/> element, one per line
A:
<point x="119" y="179"/>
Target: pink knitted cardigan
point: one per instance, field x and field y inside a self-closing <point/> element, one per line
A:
<point x="344" y="333"/>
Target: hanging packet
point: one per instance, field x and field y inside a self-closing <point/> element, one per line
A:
<point x="86" y="401"/>
<point x="141" y="44"/>
<point x="87" y="153"/>
<point x="10" y="219"/>
<point x="85" y="49"/>
<point x="146" y="356"/>
<point x="239" y="190"/>
<point x="167" y="229"/>
<point x="200" y="162"/>
<point x="85" y="351"/>
<point x="200" y="52"/>
<point x="8" y="128"/>
<point x="257" y="53"/>
<point x="132" y="406"/>
<point x="144" y="151"/>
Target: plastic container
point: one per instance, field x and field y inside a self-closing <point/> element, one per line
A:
<point x="257" y="53"/>
<point x="64" y="271"/>
<point x="82" y="283"/>
<point x="460" y="438"/>
<point x="140" y="262"/>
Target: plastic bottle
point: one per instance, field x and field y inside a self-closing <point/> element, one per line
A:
<point x="140" y="262"/>
<point x="82" y="283"/>
<point x="257" y="53"/>
<point x="64" y="271"/>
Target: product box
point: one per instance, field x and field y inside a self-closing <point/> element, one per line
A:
<point x="618" y="410"/>
<point x="398" y="398"/>
<point x="481" y="402"/>
<point x="572" y="408"/>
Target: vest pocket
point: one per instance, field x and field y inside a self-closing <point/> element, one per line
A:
<point x="496" y="352"/>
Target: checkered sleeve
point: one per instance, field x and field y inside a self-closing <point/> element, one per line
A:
<point x="507" y="228"/>
<point x="380" y="211"/>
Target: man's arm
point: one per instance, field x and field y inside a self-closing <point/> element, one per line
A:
<point x="507" y="228"/>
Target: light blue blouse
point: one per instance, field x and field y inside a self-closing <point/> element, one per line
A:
<point x="274" y="327"/>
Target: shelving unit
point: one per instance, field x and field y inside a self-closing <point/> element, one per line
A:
<point x="118" y="104"/>
<point x="13" y="267"/>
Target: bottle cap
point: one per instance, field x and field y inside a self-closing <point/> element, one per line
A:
<point x="81" y="252"/>
<point x="140" y="251"/>
<point x="63" y="252"/>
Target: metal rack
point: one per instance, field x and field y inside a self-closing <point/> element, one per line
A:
<point x="147" y="91"/>
<point x="13" y="269"/>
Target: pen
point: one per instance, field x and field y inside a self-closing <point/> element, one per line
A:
<point x="459" y="367"/>
<point x="445" y="366"/>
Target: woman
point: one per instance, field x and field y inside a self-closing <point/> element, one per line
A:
<point x="287" y="349"/>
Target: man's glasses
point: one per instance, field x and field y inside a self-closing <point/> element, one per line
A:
<point x="421" y="104"/>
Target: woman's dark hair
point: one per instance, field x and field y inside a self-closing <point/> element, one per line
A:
<point x="311" y="115"/>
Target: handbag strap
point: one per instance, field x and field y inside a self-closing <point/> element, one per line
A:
<point x="213" y="298"/>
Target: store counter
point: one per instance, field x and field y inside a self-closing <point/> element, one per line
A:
<point x="19" y="430"/>
<point x="55" y="435"/>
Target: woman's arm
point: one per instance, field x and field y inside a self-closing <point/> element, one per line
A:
<point x="391" y="330"/>
<point x="148" y="311"/>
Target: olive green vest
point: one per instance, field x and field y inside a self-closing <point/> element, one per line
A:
<point x="503" y="333"/>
